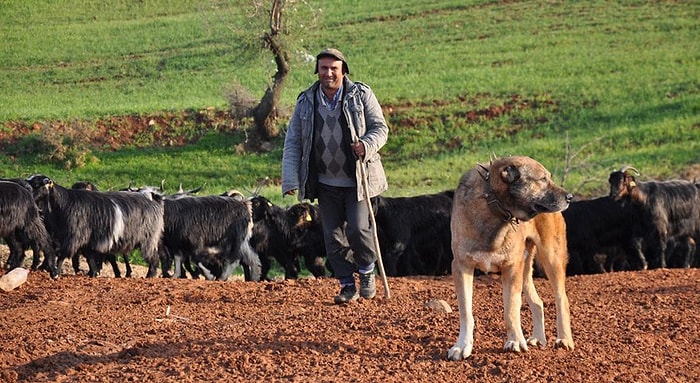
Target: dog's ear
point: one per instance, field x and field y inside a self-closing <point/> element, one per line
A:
<point x="510" y="174"/>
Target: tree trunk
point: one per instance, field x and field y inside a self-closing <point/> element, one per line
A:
<point x="265" y="114"/>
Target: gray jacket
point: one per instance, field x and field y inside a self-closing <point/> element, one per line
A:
<point x="365" y="121"/>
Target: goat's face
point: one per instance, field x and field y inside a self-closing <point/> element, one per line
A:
<point x="84" y="185"/>
<point x="302" y="215"/>
<point x="620" y="184"/>
<point x="261" y="207"/>
<point x="41" y="185"/>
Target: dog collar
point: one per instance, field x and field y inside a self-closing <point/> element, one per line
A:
<point x="498" y="209"/>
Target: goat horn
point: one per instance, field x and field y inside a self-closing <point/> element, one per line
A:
<point x="261" y="183"/>
<point x="486" y="173"/>
<point x="195" y="190"/>
<point x="625" y="169"/>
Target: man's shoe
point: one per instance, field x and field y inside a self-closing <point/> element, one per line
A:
<point x="368" y="288"/>
<point x="347" y="294"/>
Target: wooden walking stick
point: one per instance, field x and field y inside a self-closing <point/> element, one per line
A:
<point x="373" y="222"/>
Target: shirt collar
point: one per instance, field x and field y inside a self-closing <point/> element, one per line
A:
<point x="331" y="104"/>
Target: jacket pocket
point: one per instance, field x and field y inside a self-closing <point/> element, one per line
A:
<point x="376" y="178"/>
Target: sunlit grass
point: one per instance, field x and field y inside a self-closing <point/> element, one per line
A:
<point x="617" y="78"/>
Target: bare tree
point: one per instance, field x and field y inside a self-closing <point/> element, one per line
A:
<point x="264" y="114"/>
<point x="579" y="160"/>
<point x="281" y="25"/>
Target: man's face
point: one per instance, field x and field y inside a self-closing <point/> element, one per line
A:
<point x="330" y="74"/>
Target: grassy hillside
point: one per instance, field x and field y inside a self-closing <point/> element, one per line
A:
<point x="584" y="87"/>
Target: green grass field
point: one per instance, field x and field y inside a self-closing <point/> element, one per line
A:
<point x="614" y="82"/>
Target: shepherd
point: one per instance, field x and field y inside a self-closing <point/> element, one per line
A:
<point x="331" y="153"/>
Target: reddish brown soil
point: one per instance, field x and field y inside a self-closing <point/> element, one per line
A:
<point x="113" y="133"/>
<point x="628" y="327"/>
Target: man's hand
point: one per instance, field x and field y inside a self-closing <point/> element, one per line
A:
<point x="359" y="148"/>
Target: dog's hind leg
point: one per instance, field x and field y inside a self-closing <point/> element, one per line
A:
<point x="533" y="301"/>
<point x="555" y="268"/>
<point x="512" y="280"/>
<point x="463" y="276"/>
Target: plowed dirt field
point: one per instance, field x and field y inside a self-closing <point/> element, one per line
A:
<point x="628" y="327"/>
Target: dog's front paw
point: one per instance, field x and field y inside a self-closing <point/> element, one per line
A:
<point x="458" y="353"/>
<point x="535" y="342"/>
<point x="567" y="344"/>
<point x="516" y="346"/>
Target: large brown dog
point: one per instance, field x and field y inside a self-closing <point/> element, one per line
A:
<point x="504" y="216"/>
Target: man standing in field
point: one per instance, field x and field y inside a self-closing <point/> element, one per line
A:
<point x="337" y="127"/>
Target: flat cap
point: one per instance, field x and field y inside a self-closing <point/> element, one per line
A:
<point x="336" y="54"/>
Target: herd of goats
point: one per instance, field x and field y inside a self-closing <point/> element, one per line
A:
<point x="639" y="225"/>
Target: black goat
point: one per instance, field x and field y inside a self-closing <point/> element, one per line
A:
<point x="306" y="231"/>
<point x="98" y="258"/>
<point x="18" y="243"/>
<point x="21" y="225"/>
<point x="93" y="222"/>
<point x="166" y="255"/>
<point x="670" y="210"/>
<point x="272" y="237"/>
<point x="603" y="226"/>
<point x="414" y="233"/>
<point x="213" y="232"/>
<point x="288" y="235"/>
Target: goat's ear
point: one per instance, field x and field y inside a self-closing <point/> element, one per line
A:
<point x="510" y="174"/>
